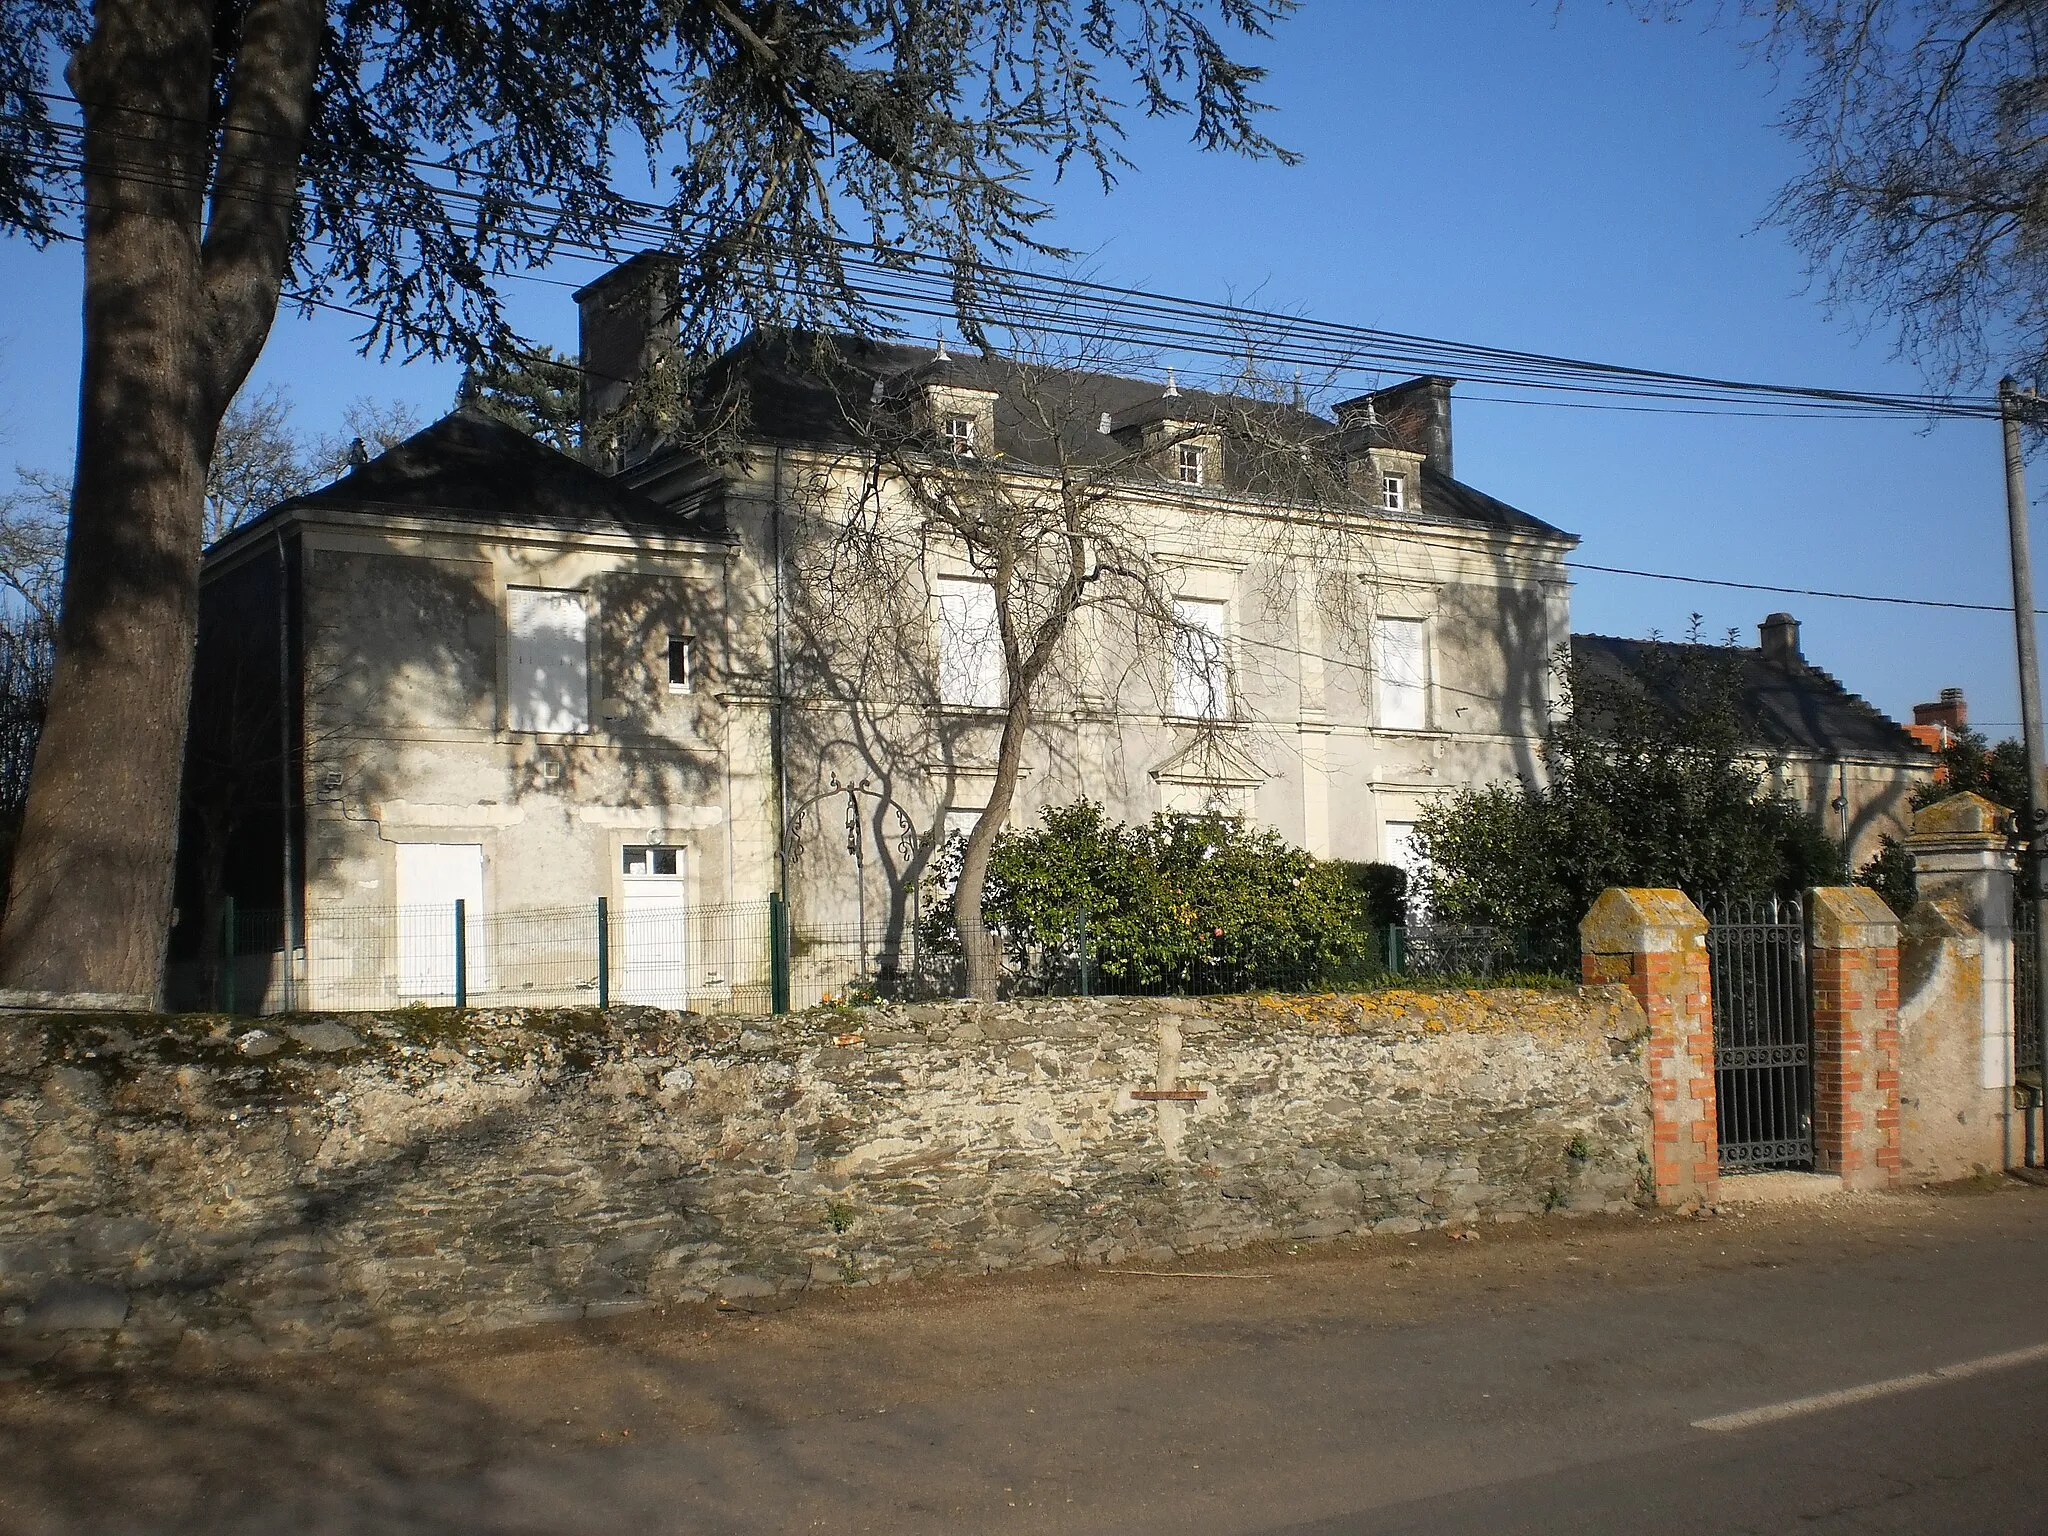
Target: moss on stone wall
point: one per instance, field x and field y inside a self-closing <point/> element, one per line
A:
<point x="226" y="1186"/>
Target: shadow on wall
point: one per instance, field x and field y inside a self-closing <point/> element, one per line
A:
<point x="389" y="653"/>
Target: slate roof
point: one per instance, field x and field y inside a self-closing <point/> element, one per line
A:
<point x="791" y="401"/>
<point x="1797" y="708"/>
<point x="471" y="466"/>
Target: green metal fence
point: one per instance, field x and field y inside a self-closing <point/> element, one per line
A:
<point x="745" y="958"/>
<point x="740" y="958"/>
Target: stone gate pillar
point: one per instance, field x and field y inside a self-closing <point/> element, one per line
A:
<point x="1655" y="944"/>
<point x="1955" y="983"/>
<point x="1855" y="960"/>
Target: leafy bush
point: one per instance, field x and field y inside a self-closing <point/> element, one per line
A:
<point x="1970" y="762"/>
<point x="1647" y="786"/>
<point x="1178" y="903"/>
<point x="1382" y="887"/>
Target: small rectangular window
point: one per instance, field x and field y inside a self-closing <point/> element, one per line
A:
<point x="1393" y="493"/>
<point x="645" y="861"/>
<point x="960" y="434"/>
<point x="1191" y="464"/>
<point x="680" y="660"/>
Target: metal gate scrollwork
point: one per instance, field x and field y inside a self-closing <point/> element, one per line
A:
<point x="1763" y="1035"/>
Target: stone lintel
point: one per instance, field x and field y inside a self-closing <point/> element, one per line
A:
<point x="1851" y="917"/>
<point x="1626" y="922"/>
<point x="1960" y="855"/>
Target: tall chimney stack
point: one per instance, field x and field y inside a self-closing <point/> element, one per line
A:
<point x="1415" y="416"/>
<point x="627" y="319"/>
<point x="1780" y="633"/>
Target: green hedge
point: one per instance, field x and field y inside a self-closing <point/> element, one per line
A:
<point x="1177" y="903"/>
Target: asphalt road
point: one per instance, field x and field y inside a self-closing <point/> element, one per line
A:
<point x="1547" y="1378"/>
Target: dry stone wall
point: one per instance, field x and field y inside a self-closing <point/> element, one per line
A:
<point x="219" y="1189"/>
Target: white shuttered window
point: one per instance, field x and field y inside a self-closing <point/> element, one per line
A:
<point x="1404" y="675"/>
<point x="970" y="643"/>
<point x="1201" y="677"/>
<point x="548" y="671"/>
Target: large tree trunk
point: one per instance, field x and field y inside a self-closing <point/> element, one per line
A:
<point x="177" y="305"/>
<point x="977" y="944"/>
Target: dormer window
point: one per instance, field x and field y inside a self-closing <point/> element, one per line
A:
<point x="960" y="434"/>
<point x="1393" y="493"/>
<point x="1193" y="465"/>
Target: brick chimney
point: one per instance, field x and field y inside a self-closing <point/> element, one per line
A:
<point x="627" y="319"/>
<point x="1949" y="711"/>
<point x="1415" y="416"/>
<point x="1780" y="632"/>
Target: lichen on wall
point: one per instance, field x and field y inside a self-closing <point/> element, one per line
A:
<point x="224" y="1187"/>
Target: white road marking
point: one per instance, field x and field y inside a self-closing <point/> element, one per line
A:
<point x="1750" y="1418"/>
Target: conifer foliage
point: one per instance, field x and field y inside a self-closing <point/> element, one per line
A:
<point x="400" y="159"/>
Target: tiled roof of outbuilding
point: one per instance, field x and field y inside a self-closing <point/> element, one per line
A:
<point x="1797" y="708"/>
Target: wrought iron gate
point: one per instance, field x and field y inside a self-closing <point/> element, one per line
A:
<point x="1763" y="1035"/>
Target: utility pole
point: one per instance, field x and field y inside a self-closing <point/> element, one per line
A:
<point x="2010" y="406"/>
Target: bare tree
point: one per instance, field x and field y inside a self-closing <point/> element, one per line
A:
<point x="1925" y="198"/>
<point x="368" y="427"/>
<point x="32" y="520"/>
<point x="32" y="524"/>
<point x="258" y="461"/>
<point x="1074" y="527"/>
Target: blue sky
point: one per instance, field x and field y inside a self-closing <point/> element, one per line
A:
<point x="1565" y="180"/>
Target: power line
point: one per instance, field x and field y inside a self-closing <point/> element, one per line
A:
<point x="909" y="285"/>
<point x="900" y="303"/>
<point x="1606" y="570"/>
<point x="895" y="286"/>
<point x="1756" y="586"/>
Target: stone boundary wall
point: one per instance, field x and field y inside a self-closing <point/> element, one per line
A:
<point x="215" y="1189"/>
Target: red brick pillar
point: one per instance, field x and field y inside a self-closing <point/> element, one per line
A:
<point x="1855" y="949"/>
<point x="1655" y="944"/>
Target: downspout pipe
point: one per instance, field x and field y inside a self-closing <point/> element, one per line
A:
<point x="285" y="758"/>
<point x="778" y="745"/>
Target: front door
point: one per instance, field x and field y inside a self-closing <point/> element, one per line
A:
<point x="1397" y="847"/>
<point x="432" y="877"/>
<point x="654" y="930"/>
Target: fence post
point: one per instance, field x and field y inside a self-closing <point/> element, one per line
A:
<point x="778" y="953"/>
<point x="1081" y="940"/>
<point x="461" y="954"/>
<point x="1654" y="942"/>
<point x="227" y="953"/>
<point x="604" y="953"/>
<point x="1397" y="949"/>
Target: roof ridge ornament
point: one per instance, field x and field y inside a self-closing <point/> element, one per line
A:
<point x="1172" y="389"/>
<point x="942" y="355"/>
